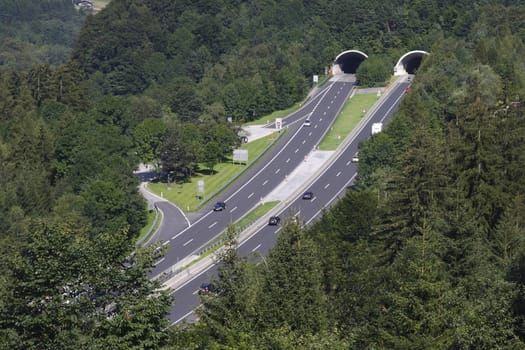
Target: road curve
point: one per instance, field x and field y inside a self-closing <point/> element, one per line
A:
<point x="327" y="188"/>
<point x="257" y="183"/>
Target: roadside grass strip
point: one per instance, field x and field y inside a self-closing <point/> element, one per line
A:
<point x="152" y="224"/>
<point x="186" y="196"/>
<point x="253" y="215"/>
<point x="271" y="117"/>
<point x="237" y="227"/>
<point x="352" y="112"/>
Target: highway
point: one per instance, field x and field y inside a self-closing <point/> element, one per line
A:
<point x="327" y="188"/>
<point x="251" y="189"/>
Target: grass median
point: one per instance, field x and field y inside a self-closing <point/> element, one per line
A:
<point x="347" y="120"/>
<point x="185" y="195"/>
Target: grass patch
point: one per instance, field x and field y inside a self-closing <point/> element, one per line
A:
<point x="259" y="211"/>
<point x="350" y="115"/>
<point x="270" y="118"/>
<point x="184" y="195"/>
<point x="100" y="4"/>
<point x="256" y="213"/>
<point x="151" y="225"/>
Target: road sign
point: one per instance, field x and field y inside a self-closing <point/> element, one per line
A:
<point x="278" y="123"/>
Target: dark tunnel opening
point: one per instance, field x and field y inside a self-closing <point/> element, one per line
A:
<point x="412" y="63"/>
<point x="349" y="62"/>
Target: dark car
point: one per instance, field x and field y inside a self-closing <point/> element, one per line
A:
<point x="207" y="288"/>
<point x="308" y="195"/>
<point x="274" y="220"/>
<point x="219" y="206"/>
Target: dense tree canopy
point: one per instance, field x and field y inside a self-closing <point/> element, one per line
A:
<point x="428" y="252"/>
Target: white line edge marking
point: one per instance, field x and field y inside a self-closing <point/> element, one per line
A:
<point x="332" y="199"/>
<point x="321" y="97"/>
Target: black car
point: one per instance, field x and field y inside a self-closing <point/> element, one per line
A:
<point x="219" y="206"/>
<point x="274" y="220"/>
<point x="207" y="288"/>
<point x="308" y="195"/>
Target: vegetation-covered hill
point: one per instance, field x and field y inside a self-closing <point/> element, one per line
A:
<point x="35" y="32"/>
<point x="428" y="253"/>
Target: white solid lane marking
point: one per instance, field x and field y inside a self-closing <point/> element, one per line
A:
<point x="233" y="209"/>
<point x="183" y="317"/>
<point x="215" y="223"/>
<point x="254" y="249"/>
<point x="326" y="186"/>
<point x="250" y="196"/>
<point x="185" y="244"/>
<point x="167" y="242"/>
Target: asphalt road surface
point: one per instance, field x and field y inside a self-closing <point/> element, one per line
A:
<point x="327" y="188"/>
<point x="259" y="181"/>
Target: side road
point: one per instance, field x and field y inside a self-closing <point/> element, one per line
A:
<point x="314" y="165"/>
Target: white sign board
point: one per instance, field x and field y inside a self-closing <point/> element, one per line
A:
<point x="278" y="123"/>
<point x="240" y="155"/>
<point x="200" y="186"/>
<point x="376" y="128"/>
<point x="316" y="79"/>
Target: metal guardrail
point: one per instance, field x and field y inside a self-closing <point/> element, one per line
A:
<point x="252" y="228"/>
<point x="246" y="168"/>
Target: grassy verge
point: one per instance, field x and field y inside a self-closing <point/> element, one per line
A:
<point x="151" y="225"/>
<point x="259" y="211"/>
<point x="100" y="4"/>
<point x="184" y="195"/>
<point x="350" y="115"/>
<point x="271" y="117"/>
<point x="281" y="114"/>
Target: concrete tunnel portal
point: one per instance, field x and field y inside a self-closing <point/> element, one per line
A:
<point x="348" y="61"/>
<point x="409" y="62"/>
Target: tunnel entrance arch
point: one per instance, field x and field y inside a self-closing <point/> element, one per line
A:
<point x="409" y="62"/>
<point x="348" y="61"/>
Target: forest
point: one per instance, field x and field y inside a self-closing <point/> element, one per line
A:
<point x="427" y="251"/>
